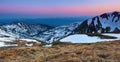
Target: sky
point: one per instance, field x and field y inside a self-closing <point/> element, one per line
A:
<point x="59" y="7"/>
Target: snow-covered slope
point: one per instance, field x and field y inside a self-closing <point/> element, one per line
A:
<point x="2" y="44"/>
<point x="113" y="34"/>
<point x="21" y="29"/>
<point x="39" y="32"/>
<point x="107" y="22"/>
<point x="5" y="36"/>
<point x="83" y="38"/>
<point x="57" y="33"/>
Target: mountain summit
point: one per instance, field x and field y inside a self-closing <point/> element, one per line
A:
<point x="105" y="23"/>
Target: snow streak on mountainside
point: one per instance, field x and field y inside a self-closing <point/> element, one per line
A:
<point x="105" y="23"/>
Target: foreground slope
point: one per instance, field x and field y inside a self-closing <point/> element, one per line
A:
<point x="96" y="52"/>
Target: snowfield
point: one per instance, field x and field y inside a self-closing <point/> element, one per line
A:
<point x="113" y="34"/>
<point x="29" y="40"/>
<point x="12" y="38"/>
<point x="7" y="39"/>
<point x="2" y="44"/>
<point x="83" y="38"/>
<point x="77" y="38"/>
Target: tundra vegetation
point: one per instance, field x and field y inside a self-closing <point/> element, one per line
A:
<point x="108" y="51"/>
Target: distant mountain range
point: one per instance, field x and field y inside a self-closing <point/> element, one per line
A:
<point x="58" y="21"/>
<point x="105" y="23"/>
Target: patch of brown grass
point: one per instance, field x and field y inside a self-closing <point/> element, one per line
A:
<point x="97" y="52"/>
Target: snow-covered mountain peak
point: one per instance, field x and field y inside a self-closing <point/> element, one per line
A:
<point x="107" y="22"/>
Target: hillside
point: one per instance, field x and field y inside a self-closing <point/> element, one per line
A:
<point x="93" y="52"/>
<point x="57" y="32"/>
<point x="104" y="23"/>
<point x="22" y="29"/>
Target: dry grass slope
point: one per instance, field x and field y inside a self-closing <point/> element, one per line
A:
<point x="97" y="52"/>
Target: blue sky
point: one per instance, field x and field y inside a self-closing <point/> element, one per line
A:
<point x="59" y="7"/>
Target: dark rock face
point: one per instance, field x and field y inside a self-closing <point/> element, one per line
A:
<point x="105" y="23"/>
<point x="91" y="27"/>
<point x="104" y="16"/>
<point x="115" y="14"/>
<point x="116" y="30"/>
<point x="82" y="28"/>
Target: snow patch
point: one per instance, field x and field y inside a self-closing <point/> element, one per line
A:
<point x="2" y="44"/>
<point x="29" y="40"/>
<point x="113" y="34"/>
<point x="83" y="38"/>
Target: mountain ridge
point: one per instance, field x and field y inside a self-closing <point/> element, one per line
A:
<point x="104" y="23"/>
<point x="23" y="29"/>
